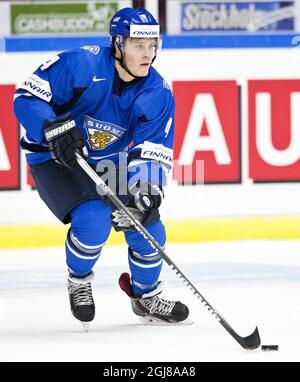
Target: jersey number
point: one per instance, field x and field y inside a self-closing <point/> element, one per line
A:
<point x="48" y="63"/>
<point x="168" y="126"/>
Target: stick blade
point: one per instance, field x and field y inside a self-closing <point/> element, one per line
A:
<point x="250" y="342"/>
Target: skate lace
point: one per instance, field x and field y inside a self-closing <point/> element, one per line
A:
<point x="159" y="305"/>
<point x="82" y="293"/>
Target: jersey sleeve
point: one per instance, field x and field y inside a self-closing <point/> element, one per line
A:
<point x="150" y="157"/>
<point x="42" y="95"/>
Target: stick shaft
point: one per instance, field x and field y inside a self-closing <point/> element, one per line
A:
<point x="155" y="245"/>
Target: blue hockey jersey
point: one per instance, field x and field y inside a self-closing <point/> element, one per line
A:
<point x="114" y="116"/>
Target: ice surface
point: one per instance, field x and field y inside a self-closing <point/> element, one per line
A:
<point x="248" y="282"/>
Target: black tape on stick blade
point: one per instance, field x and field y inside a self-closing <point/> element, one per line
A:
<point x="269" y="347"/>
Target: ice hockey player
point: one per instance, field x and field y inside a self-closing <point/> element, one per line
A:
<point x="108" y="103"/>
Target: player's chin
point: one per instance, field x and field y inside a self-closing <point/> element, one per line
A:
<point x="143" y="70"/>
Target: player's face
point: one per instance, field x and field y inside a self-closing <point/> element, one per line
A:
<point x="138" y="55"/>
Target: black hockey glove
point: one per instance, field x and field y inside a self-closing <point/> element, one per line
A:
<point x="143" y="201"/>
<point x="64" y="137"/>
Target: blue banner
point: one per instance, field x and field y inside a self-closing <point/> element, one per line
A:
<point x="233" y="16"/>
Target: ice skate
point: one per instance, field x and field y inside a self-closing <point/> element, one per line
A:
<point x="81" y="299"/>
<point x="153" y="309"/>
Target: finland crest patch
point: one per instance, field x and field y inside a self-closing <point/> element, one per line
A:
<point x="101" y="134"/>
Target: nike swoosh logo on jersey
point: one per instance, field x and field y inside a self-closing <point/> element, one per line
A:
<point x="95" y="79"/>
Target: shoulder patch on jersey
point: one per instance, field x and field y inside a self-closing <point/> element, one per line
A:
<point x="95" y="49"/>
<point x="38" y="87"/>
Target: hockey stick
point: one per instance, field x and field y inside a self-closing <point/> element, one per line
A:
<point x="250" y="342"/>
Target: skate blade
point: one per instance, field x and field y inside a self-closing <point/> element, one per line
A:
<point x="85" y="326"/>
<point x="146" y="320"/>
